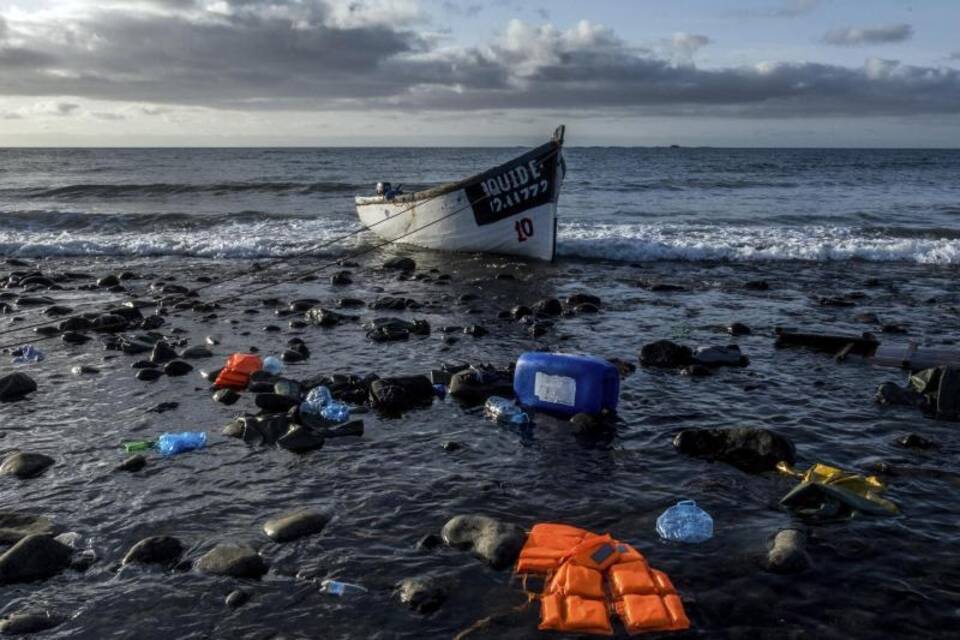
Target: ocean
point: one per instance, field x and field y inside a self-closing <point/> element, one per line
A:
<point x="677" y="244"/>
<point x="628" y="204"/>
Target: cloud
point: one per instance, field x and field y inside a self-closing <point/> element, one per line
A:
<point x="954" y="55"/>
<point x="59" y="109"/>
<point x="107" y="115"/>
<point x="250" y="55"/>
<point x="854" y="37"/>
<point x="458" y="8"/>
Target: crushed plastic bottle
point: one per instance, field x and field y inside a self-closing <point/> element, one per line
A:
<point x="335" y="411"/>
<point x="685" y="522"/>
<point x="340" y="589"/>
<point x="272" y="365"/>
<point x="316" y="400"/>
<point x="173" y="443"/>
<point x="504" y="411"/>
<point x="28" y="353"/>
<point x="440" y="390"/>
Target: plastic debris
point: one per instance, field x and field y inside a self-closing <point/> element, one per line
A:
<point x="504" y="411"/>
<point x="340" y="589"/>
<point x="685" y="522"/>
<point x="27" y="353"/>
<point x="335" y="411"/>
<point x="272" y="365"/>
<point x="236" y="373"/>
<point x="566" y="384"/>
<point x="316" y="400"/>
<point x="829" y="491"/>
<point x="173" y="443"/>
<point x="138" y="445"/>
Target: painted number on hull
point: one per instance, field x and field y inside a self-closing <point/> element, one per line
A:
<point x="515" y="198"/>
<point x="524" y="229"/>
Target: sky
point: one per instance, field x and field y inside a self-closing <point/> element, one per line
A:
<point x="754" y="73"/>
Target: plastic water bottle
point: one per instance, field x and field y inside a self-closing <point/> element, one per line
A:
<point x="335" y="411"/>
<point x="505" y="411"/>
<point x="272" y="365"/>
<point x="340" y="589"/>
<point x="685" y="522"/>
<point x="173" y="443"/>
<point x="316" y="400"/>
<point x="28" y="353"/>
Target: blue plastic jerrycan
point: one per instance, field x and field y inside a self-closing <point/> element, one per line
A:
<point x="566" y="384"/>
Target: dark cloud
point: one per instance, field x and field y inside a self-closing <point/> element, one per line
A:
<point x="854" y="37"/>
<point x="260" y="54"/>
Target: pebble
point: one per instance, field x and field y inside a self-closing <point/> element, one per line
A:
<point x="148" y="375"/>
<point x="236" y="598"/>
<point x="787" y="553"/>
<point x="35" y="557"/>
<point x="234" y="560"/>
<point x="196" y="353"/>
<point x="496" y="542"/>
<point x="295" y="525"/>
<point x="226" y="396"/>
<point x="423" y="595"/>
<point x="165" y="550"/>
<point x="30" y="621"/>
<point x="177" y="368"/>
<point x="25" y="464"/>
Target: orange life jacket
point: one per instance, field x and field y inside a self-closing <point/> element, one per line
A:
<point x="590" y="577"/>
<point x="236" y="373"/>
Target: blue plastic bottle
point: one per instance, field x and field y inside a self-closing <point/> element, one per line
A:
<point x="172" y="443"/>
<point x="565" y="384"/>
<point x="685" y="522"/>
<point x="504" y="411"/>
<point x="272" y="365"/>
<point x="316" y="400"/>
<point x="335" y="411"/>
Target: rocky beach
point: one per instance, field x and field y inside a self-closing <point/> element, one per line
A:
<point x="425" y="502"/>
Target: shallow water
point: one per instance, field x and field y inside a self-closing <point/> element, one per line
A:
<point x="397" y="483"/>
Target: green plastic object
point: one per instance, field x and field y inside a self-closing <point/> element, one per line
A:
<point x="138" y="445"/>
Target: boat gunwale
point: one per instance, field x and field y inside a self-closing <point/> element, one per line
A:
<point x="449" y="187"/>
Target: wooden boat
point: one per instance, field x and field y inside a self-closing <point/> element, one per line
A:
<point x="510" y="209"/>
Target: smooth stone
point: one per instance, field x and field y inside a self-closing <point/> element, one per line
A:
<point x="30" y="621"/>
<point x="226" y="396"/>
<point x="35" y="557"/>
<point x="165" y="550"/>
<point x="738" y="329"/>
<point x="234" y="560"/>
<point x="291" y="355"/>
<point x="132" y="464"/>
<point x="299" y="439"/>
<point x="196" y="353"/>
<point x="429" y="542"/>
<point x="24" y="464"/>
<point x="549" y="306"/>
<point x="295" y="525"/>
<point x="423" y="595"/>
<point x="162" y="352"/>
<point x="108" y="281"/>
<point x="148" y="375"/>
<point x="496" y="542"/>
<point x="916" y="441"/>
<point x="16" y="526"/>
<point x="177" y="368"/>
<point x="236" y="598"/>
<point x="665" y="354"/>
<point x="15" y="386"/>
<point x="400" y="263"/>
<point x="275" y="403"/>
<point x="787" y="553"/>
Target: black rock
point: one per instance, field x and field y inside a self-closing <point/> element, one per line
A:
<point x="423" y="595"/>
<point x="583" y="298"/>
<point x="77" y="323"/>
<point x="237" y="598"/>
<point x="132" y="464"/>
<point x="164" y="550"/>
<point x="15" y="386"/>
<point x="297" y="524"/>
<point x="300" y="439"/>
<point x="25" y="464"/>
<point x="549" y="307"/>
<point x="350" y="303"/>
<point x="108" y="281"/>
<point x="133" y="347"/>
<point x="57" y="310"/>
<point x="401" y="393"/>
<point x="162" y="352"/>
<point x="35" y="557"/>
<point x="749" y="449"/>
<point x="341" y="278"/>
<point x="325" y="318"/>
<point x="196" y="353"/>
<point x="451" y="445"/>
<point x="473" y="386"/>
<point x="915" y="441"/>
<point x="496" y="542"/>
<point x="30" y="621"/>
<point x="291" y="355"/>
<point x="226" y="396"/>
<point x="738" y="329"/>
<point x="110" y="323"/>
<point x="696" y="371"/>
<point x="664" y="287"/>
<point x="475" y="330"/>
<point x="148" y="375"/>
<point x="72" y="337"/>
<point x="665" y="354"/>
<point x="400" y="263"/>
<point x="16" y="526"/>
<point x="586" y="307"/>
<point x="177" y="368"/>
<point x="520" y="311"/>
<point x="757" y="285"/>
<point x="429" y="542"/>
<point x="163" y="407"/>
<point x="144" y="364"/>
<point x="275" y="403"/>
<point x="539" y="329"/>
<point x="237" y="561"/>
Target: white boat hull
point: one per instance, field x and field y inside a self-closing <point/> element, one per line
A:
<point x="510" y="210"/>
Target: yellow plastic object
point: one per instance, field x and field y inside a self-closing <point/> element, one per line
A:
<point x="865" y="487"/>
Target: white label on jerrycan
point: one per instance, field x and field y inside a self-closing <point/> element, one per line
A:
<point x="555" y="389"/>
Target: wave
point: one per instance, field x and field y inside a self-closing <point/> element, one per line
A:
<point x="161" y="189"/>
<point x="643" y="243"/>
<point x="46" y="220"/>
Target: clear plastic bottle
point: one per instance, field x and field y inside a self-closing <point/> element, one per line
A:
<point x="28" y="353"/>
<point x="335" y="411"/>
<point x="316" y="400"/>
<point x="272" y="365"/>
<point x="685" y="522"/>
<point x="172" y="443"/>
<point x="340" y="589"/>
<point x="504" y="411"/>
